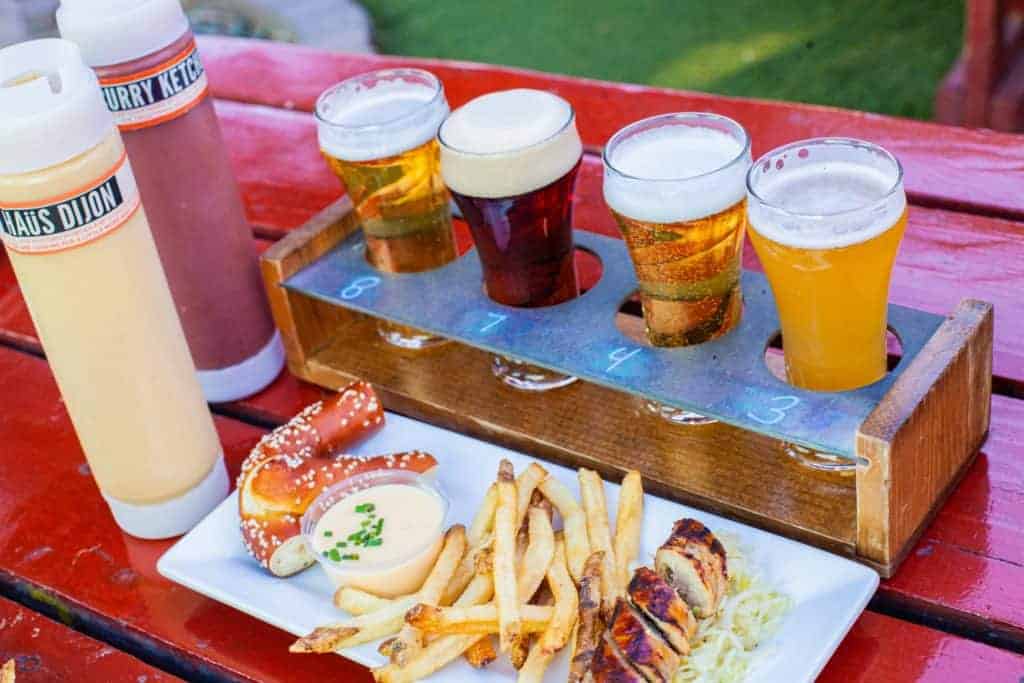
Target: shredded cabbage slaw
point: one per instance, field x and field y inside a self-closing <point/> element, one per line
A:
<point x="750" y="613"/>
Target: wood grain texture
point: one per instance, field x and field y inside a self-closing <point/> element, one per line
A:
<point x="945" y="166"/>
<point x="924" y="433"/>
<point x="45" y="651"/>
<point x="882" y="649"/>
<point x="305" y="324"/>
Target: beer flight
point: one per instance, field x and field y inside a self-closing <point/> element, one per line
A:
<point x="826" y="217"/>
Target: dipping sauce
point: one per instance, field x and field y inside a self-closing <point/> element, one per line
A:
<point x="383" y="539"/>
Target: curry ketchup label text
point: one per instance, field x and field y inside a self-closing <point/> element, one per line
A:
<point x="157" y="94"/>
<point x="74" y="218"/>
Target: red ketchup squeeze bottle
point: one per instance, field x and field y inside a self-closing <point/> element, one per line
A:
<point x="153" y="82"/>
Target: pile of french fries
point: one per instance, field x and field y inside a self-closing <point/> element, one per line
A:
<point x="510" y="575"/>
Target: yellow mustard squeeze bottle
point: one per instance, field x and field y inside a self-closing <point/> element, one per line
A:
<point x="74" y="228"/>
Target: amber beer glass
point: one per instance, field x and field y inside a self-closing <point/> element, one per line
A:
<point x="378" y="132"/>
<point x="675" y="186"/>
<point x="827" y="217"/>
<point x="510" y="159"/>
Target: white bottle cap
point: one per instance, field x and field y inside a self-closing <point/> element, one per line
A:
<point x="117" y="31"/>
<point x="51" y="106"/>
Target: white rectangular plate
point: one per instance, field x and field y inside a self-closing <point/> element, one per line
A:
<point x="827" y="592"/>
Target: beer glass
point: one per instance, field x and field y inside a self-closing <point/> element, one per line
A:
<point x="674" y="184"/>
<point x="510" y="159"/>
<point x="378" y="133"/>
<point x="826" y="219"/>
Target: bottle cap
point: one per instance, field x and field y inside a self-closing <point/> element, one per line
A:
<point x="51" y="107"/>
<point x="117" y="31"/>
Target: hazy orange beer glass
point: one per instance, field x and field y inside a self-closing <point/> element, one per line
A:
<point x="675" y="184"/>
<point x="826" y="219"/>
<point x="378" y="133"/>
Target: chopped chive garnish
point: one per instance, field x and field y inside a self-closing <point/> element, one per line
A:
<point x="365" y="523"/>
<point x="335" y="555"/>
<point x="350" y="556"/>
<point x="352" y="537"/>
<point x="328" y="533"/>
<point x="366" y="507"/>
<point x="325" y="553"/>
<point x="374" y="542"/>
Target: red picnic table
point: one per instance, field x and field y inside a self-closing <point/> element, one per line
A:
<point x="954" y="611"/>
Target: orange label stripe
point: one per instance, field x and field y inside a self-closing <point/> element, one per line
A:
<point x="152" y="71"/>
<point x="81" y="189"/>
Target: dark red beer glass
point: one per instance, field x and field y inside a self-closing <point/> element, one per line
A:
<point x="510" y="159"/>
<point x="525" y="243"/>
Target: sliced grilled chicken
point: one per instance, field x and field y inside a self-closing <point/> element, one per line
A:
<point x="660" y="603"/>
<point x="609" y="666"/>
<point x="693" y="562"/>
<point x="641" y="644"/>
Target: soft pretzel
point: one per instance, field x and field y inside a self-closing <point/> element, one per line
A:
<point x="291" y="465"/>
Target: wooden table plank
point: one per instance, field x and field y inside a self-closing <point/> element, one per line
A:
<point x="880" y="648"/>
<point x="59" y="547"/>
<point x="76" y="561"/>
<point x="45" y="651"/>
<point x="976" y="170"/>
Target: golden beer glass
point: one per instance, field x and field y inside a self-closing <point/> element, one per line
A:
<point x="675" y="185"/>
<point x="378" y="133"/>
<point x="826" y="218"/>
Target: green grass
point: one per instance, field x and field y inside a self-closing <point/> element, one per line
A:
<point x="885" y="56"/>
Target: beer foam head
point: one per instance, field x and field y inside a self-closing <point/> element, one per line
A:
<point x="825" y="194"/>
<point x="676" y="167"/>
<point x="380" y="114"/>
<point x="508" y="143"/>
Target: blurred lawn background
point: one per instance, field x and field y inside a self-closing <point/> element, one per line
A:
<point x="885" y="56"/>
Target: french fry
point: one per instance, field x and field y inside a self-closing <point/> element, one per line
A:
<point x="435" y="656"/>
<point x="409" y="640"/>
<point x="590" y="626"/>
<point x="526" y="484"/>
<point x="519" y="652"/>
<point x="481" y="653"/>
<point x="574" y="523"/>
<point x="478" y="619"/>
<point x="562" y="593"/>
<point x="7" y="673"/>
<point x="566" y="601"/>
<point x="467" y="569"/>
<point x="357" y="630"/>
<point x="506" y="589"/>
<point x="483" y="521"/>
<point x="479" y="591"/>
<point x="537" y="558"/>
<point x="356" y="602"/>
<point x="537" y="661"/>
<point x="479" y="537"/>
<point x="543" y="596"/>
<point x="596" y="509"/>
<point x="627" y="525"/>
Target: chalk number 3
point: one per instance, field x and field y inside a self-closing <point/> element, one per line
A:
<point x="783" y="404"/>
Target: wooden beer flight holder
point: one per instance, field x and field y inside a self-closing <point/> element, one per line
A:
<point x="912" y="435"/>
